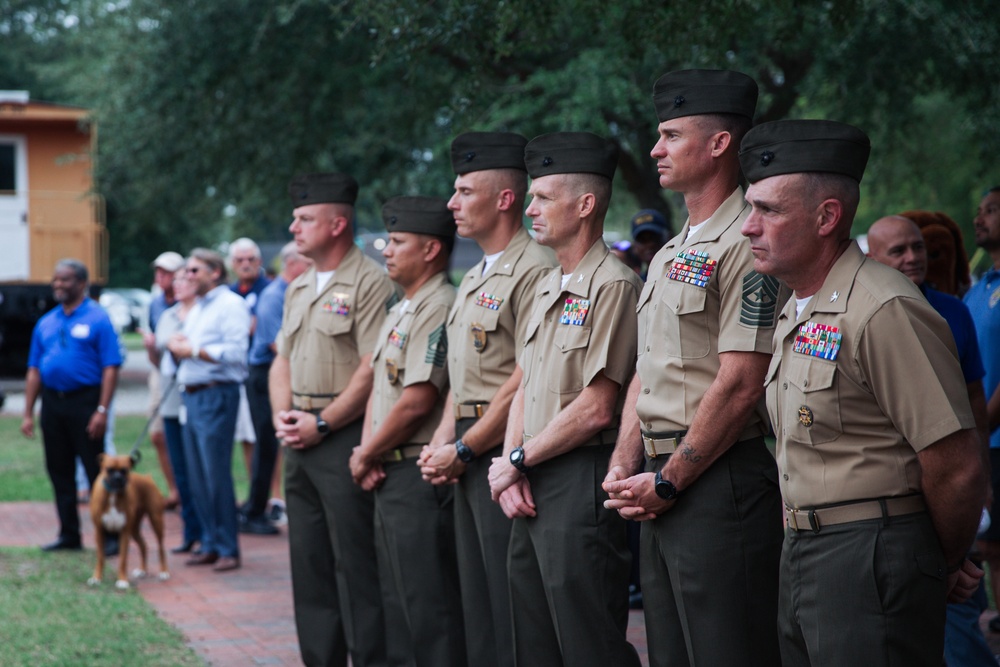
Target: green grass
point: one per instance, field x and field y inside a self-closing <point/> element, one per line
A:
<point x="49" y="617"/>
<point x="132" y="340"/>
<point x="22" y="461"/>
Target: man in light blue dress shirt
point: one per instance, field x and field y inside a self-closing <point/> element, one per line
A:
<point x="211" y="352"/>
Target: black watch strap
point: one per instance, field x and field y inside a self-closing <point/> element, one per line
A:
<point x="664" y="488"/>
<point x="517" y="460"/>
<point x="465" y="453"/>
<point x="321" y="426"/>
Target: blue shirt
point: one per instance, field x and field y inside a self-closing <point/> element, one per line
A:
<point x="269" y="308"/>
<point x="957" y="315"/>
<point x="253" y="294"/>
<point x="71" y="351"/>
<point x="983" y="300"/>
<point x="156" y="308"/>
<point x="219" y="325"/>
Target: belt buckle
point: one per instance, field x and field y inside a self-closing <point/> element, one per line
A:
<point x="392" y="456"/>
<point x="650" y="446"/>
<point x="793" y="521"/>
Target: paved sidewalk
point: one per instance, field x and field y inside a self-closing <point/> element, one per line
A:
<point x="233" y="619"/>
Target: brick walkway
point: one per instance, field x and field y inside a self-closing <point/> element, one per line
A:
<point x="234" y="619"/>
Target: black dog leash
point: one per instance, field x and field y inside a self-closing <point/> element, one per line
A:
<point x="135" y="454"/>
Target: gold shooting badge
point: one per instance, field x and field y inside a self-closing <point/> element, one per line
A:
<point x="391" y="371"/>
<point x="805" y="416"/>
<point x="478" y="336"/>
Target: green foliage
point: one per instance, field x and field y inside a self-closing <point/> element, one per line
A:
<point x="52" y="619"/>
<point x="206" y="109"/>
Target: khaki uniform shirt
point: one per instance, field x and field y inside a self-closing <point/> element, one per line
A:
<point x="412" y="348"/>
<point x="867" y="377"/>
<point x="702" y="297"/>
<point x="487" y="323"/>
<point x="324" y="335"/>
<point x="576" y="332"/>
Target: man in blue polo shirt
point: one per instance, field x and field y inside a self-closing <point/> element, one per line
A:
<point x="73" y="364"/>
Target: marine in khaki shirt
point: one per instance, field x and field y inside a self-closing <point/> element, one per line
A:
<point x="708" y="489"/>
<point x="879" y="457"/>
<point x="319" y="383"/>
<point x="568" y="561"/>
<point x="414" y="521"/>
<point x="485" y="330"/>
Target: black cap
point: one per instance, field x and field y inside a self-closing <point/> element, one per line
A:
<point x="796" y="146"/>
<point x="571" y="153"/>
<point x="479" y="151"/>
<point x="419" y="215"/>
<point x="329" y="188"/>
<point x="649" y="220"/>
<point x="693" y="92"/>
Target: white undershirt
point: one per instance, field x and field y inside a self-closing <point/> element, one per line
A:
<point x="693" y="229"/>
<point x="489" y="260"/>
<point x="800" y="305"/>
<point x="322" y="278"/>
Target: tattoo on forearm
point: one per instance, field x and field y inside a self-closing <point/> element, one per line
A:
<point x="689" y="454"/>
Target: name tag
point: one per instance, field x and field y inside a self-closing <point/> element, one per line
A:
<point x="80" y="331"/>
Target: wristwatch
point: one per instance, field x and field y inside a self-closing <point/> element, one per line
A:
<point x="321" y="426"/>
<point x="517" y="460"/>
<point x="465" y="453"/>
<point x="664" y="488"/>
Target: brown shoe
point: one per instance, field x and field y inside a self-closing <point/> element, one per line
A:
<point x="227" y="563"/>
<point x="202" y="559"/>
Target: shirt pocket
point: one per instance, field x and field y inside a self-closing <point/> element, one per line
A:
<point x="813" y="400"/>
<point x="569" y="353"/>
<point x="687" y="333"/>
<point x="339" y="356"/>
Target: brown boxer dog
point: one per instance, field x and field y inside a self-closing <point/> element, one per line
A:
<point x="118" y="502"/>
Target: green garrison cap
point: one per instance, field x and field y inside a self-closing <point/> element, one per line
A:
<point x="329" y="188"/>
<point x="479" y="151"/>
<point x="419" y="215"/>
<point x="794" y="146"/>
<point x="571" y="153"/>
<point x="693" y="92"/>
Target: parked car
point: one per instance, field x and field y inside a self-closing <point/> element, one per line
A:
<point x="118" y="310"/>
<point x="137" y="301"/>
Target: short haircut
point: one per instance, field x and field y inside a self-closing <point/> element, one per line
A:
<point x="995" y="188"/>
<point x="815" y="187"/>
<point x="78" y="268"/>
<point x="599" y="186"/>
<point x="213" y="261"/>
<point x="514" y="180"/>
<point x="736" y="125"/>
<point x="243" y="243"/>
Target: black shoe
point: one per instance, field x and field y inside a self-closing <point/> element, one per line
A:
<point x="187" y="547"/>
<point x="110" y="545"/>
<point x="994" y="624"/>
<point x="258" y="525"/>
<point x="63" y="544"/>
